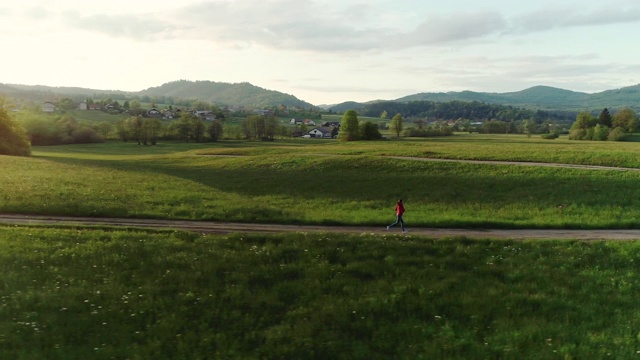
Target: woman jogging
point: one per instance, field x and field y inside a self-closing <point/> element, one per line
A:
<point x="399" y="212"/>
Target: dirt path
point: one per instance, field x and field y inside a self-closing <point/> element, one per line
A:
<point x="518" y="163"/>
<point x="494" y="162"/>
<point x="223" y="228"/>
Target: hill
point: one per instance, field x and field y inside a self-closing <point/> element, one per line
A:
<point x="246" y="94"/>
<point x="542" y="97"/>
<point x="242" y="94"/>
<point x="347" y="105"/>
<point x="537" y="97"/>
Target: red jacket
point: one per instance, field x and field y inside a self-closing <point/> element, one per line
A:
<point x="399" y="209"/>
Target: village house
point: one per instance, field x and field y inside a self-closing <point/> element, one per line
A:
<point x="205" y="115"/>
<point x="321" y="132"/>
<point x="154" y="113"/>
<point x="331" y="124"/>
<point x="49" y="107"/>
<point x="168" y="114"/>
<point x="263" y="112"/>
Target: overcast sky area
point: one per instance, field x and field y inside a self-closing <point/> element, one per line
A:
<point x="325" y="51"/>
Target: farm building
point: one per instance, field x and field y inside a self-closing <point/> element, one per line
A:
<point x="321" y="132"/>
<point x="49" y="107"/>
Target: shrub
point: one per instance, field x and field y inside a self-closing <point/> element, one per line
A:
<point x="577" y="134"/>
<point x="617" y="134"/>
<point x="85" y="135"/>
<point x="589" y="135"/>
<point x="429" y="132"/>
<point x="13" y="140"/>
<point x="369" y="131"/>
<point x="550" y="136"/>
<point x="600" y="132"/>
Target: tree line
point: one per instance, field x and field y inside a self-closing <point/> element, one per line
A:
<point x="605" y="126"/>
<point x="351" y="129"/>
<point x="471" y="110"/>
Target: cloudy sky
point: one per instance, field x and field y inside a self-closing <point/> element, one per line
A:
<point x="324" y="51"/>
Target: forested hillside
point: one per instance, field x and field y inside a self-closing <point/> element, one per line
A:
<point x="221" y="94"/>
<point x="469" y="110"/>
<point x="242" y="94"/>
<point x="544" y="97"/>
<point x="245" y="94"/>
<point x="536" y="98"/>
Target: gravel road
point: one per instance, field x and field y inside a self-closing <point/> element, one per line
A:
<point x="225" y="228"/>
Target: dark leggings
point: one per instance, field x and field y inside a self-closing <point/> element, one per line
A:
<point x="399" y="220"/>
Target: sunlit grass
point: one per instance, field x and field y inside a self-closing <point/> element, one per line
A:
<point x="461" y="146"/>
<point x="291" y="182"/>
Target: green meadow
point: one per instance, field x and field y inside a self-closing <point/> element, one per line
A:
<point x="71" y="292"/>
<point x="113" y="294"/>
<point x="329" y="182"/>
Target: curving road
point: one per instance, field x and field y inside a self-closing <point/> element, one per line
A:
<point x="225" y="228"/>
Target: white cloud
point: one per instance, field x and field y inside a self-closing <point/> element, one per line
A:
<point x="37" y="13"/>
<point x="576" y="16"/>
<point x="138" y="27"/>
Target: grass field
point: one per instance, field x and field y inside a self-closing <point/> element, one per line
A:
<point x="99" y="294"/>
<point x="329" y="182"/>
<point x="80" y="293"/>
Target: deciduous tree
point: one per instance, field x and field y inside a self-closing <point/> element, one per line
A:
<point x="397" y="124"/>
<point x="135" y="104"/>
<point x="66" y="104"/>
<point x="600" y="132"/>
<point x="122" y="130"/>
<point x="152" y="128"/>
<point x="135" y="129"/>
<point x="626" y="119"/>
<point x="183" y="126"/>
<point x="13" y="139"/>
<point x="349" y="127"/>
<point x="104" y="129"/>
<point x="584" y="120"/>
<point x="271" y="127"/>
<point x="215" y="130"/>
<point x="253" y="127"/>
<point x="369" y="131"/>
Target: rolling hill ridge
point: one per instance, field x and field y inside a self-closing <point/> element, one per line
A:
<point x="537" y="97"/>
<point x="241" y="94"/>
<point x="246" y="94"/>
